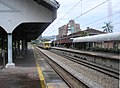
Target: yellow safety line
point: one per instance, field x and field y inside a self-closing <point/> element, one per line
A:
<point x="41" y="77"/>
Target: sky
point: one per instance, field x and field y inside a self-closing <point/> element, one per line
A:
<point x="88" y="13"/>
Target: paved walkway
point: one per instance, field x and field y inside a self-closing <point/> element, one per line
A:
<point x="24" y="75"/>
<point x="52" y="79"/>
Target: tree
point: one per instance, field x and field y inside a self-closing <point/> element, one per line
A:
<point x="45" y="39"/>
<point x="108" y="27"/>
<point x="83" y="33"/>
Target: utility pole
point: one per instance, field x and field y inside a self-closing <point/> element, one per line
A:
<point x="110" y="10"/>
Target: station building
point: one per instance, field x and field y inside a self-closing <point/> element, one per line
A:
<point x="20" y="22"/>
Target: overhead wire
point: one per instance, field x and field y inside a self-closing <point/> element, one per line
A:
<point x="116" y="23"/>
<point x="90" y="9"/>
<point x="84" y="14"/>
<point x="66" y="13"/>
<point x="111" y="24"/>
<point x="101" y="19"/>
<point x="71" y="9"/>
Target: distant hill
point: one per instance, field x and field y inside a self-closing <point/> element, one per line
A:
<point x="49" y="37"/>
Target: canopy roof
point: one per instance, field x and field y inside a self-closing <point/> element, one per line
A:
<point x="98" y="38"/>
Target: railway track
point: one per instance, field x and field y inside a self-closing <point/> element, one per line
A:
<point x="99" y="68"/>
<point x="70" y="79"/>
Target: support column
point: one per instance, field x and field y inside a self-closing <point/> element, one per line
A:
<point x="18" y="48"/>
<point x="19" y="54"/>
<point x="10" y="63"/>
<point x="15" y="47"/>
<point x="3" y="51"/>
<point x="23" y="47"/>
<point x="26" y="46"/>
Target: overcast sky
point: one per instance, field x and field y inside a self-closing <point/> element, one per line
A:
<point x="93" y="19"/>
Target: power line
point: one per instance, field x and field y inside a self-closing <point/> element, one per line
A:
<point x="111" y="24"/>
<point x="71" y="9"/>
<point x="110" y="10"/>
<point x="101" y="18"/>
<point x="66" y="14"/>
<point x="116" y="23"/>
<point x="79" y="15"/>
<point x="90" y="10"/>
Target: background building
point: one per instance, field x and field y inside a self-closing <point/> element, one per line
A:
<point x="72" y="27"/>
<point x="68" y="29"/>
<point x="63" y="30"/>
<point x="66" y="40"/>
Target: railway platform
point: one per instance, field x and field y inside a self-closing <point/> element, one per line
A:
<point x="93" y="53"/>
<point x="92" y="78"/>
<point x="27" y="74"/>
<point x="24" y="75"/>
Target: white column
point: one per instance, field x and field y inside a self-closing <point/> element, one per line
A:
<point x="10" y="63"/>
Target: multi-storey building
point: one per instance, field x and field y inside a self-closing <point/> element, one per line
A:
<point x="70" y="28"/>
<point x="63" y="30"/>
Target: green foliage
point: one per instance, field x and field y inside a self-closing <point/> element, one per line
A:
<point x="108" y="27"/>
<point x="83" y="33"/>
<point x="34" y="41"/>
<point x="111" y="50"/>
<point x="45" y="39"/>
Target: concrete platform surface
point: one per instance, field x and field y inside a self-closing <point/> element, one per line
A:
<point x="101" y="54"/>
<point x="52" y="79"/>
<point x="27" y="71"/>
<point x="24" y="75"/>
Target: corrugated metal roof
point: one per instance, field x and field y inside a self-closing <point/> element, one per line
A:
<point x="101" y="37"/>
